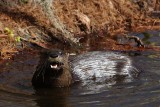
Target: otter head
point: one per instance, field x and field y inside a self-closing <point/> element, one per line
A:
<point x="53" y="70"/>
<point x="56" y="60"/>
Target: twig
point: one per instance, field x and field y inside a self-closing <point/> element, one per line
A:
<point x="136" y="39"/>
<point x="3" y="36"/>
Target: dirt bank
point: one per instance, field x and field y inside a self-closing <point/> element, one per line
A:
<point x="53" y="24"/>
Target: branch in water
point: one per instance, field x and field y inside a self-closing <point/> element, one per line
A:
<point x="136" y="39"/>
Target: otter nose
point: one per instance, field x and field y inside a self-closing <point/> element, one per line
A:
<point x="54" y="55"/>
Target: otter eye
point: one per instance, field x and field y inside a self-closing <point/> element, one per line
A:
<point x="60" y="53"/>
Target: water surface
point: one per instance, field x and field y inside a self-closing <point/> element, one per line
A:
<point x="16" y="89"/>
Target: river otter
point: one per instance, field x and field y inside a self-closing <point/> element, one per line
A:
<point x="55" y="70"/>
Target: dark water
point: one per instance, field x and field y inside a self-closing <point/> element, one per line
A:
<point x="16" y="89"/>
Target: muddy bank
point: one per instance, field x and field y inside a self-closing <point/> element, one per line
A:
<point x="54" y="24"/>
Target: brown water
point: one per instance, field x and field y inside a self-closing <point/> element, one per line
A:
<point x="16" y="89"/>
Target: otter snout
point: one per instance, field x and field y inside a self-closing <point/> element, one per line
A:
<point x="56" y="60"/>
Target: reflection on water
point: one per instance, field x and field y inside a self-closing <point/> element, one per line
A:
<point x="52" y="97"/>
<point x="16" y="89"/>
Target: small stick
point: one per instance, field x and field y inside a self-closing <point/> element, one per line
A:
<point x="136" y="39"/>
